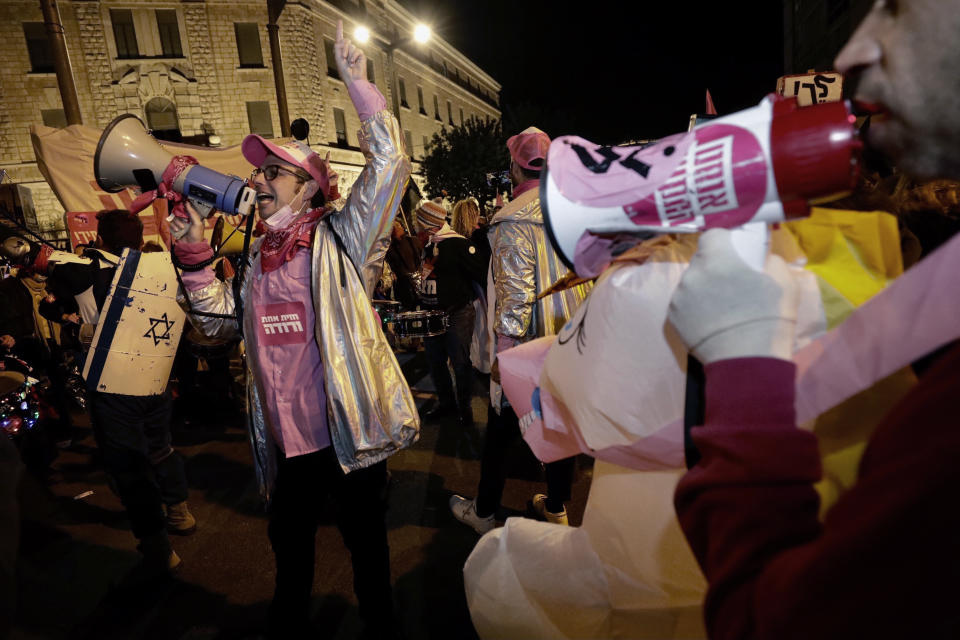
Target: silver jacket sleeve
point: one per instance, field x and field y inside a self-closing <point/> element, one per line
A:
<point x="365" y="221"/>
<point x="513" y="264"/>
<point x="216" y="297"/>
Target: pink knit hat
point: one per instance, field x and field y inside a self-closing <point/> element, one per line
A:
<point x="256" y="149"/>
<point x="529" y="145"/>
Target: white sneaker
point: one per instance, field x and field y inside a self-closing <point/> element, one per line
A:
<point x="540" y="507"/>
<point x="465" y="510"/>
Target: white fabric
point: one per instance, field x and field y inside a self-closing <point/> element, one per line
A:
<point x="619" y="368"/>
<point x="626" y="573"/>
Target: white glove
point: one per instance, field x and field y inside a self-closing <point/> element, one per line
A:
<point x="723" y="309"/>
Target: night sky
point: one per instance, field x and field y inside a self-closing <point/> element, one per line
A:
<point x="615" y="71"/>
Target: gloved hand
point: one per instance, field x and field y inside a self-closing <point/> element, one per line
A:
<point x="723" y="309"/>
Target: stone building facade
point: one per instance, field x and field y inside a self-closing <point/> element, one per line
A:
<point x="201" y="71"/>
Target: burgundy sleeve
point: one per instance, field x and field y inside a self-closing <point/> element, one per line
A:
<point x="886" y="561"/>
<point x="751" y="495"/>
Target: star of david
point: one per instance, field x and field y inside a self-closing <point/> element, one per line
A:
<point x="155" y="326"/>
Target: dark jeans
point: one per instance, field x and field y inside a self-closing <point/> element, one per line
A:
<point x="502" y="431"/>
<point x="133" y="434"/>
<point x="455" y="345"/>
<point x="303" y="483"/>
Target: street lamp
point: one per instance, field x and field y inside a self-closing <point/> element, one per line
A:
<point x="421" y="35"/>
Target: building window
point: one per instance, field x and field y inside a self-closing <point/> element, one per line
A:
<point x="425" y="143"/>
<point x="54" y="118"/>
<point x="409" y="139"/>
<point x="370" y="75"/>
<point x="461" y="117"/>
<point x="403" y="93"/>
<point x="41" y="58"/>
<point x="258" y="115"/>
<point x="169" y="33"/>
<point x="420" y="100"/>
<point x="341" y="123"/>
<point x="248" y="44"/>
<point x="162" y="119"/>
<point x="450" y="113"/>
<point x="332" y="70"/>
<point x="436" y="107"/>
<point x="124" y="34"/>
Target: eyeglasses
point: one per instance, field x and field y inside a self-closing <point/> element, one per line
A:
<point x="271" y="171"/>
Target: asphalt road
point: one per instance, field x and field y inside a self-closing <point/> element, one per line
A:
<point x="73" y="550"/>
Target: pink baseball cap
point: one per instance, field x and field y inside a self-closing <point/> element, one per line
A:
<point x="529" y="145"/>
<point x="256" y="149"/>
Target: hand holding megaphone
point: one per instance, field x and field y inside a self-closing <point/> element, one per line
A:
<point x="128" y="156"/>
<point x="188" y="230"/>
<point x="725" y="308"/>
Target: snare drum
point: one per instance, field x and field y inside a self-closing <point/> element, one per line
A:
<point x="421" y="324"/>
<point x="387" y="310"/>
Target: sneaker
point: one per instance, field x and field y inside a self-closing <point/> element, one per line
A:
<point x="159" y="561"/>
<point x="540" y="508"/>
<point x="465" y="510"/>
<point x="179" y="519"/>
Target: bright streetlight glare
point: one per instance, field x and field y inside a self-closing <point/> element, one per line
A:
<point x="361" y="34"/>
<point x="421" y="33"/>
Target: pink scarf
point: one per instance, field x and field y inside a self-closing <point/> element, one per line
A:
<point x="281" y="245"/>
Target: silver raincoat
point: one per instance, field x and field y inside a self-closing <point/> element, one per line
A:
<point x="523" y="263"/>
<point x="370" y="410"/>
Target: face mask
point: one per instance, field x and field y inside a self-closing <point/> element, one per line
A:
<point x="284" y="216"/>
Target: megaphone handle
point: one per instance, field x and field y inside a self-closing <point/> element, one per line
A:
<point x="751" y="242"/>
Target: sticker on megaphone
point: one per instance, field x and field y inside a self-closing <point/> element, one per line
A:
<point x="763" y="164"/>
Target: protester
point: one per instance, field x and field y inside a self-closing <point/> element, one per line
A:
<point x="22" y="329"/>
<point x="328" y="401"/>
<point x="523" y="264"/>
<point x="884" y="561"/>
<point x="132" y="431"/>
<point x="452" y="266"/>
<point x="466" y="221"/>
<point x="404" y="258"/>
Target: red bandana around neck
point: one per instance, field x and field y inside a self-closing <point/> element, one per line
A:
<point x="281" y="245"/>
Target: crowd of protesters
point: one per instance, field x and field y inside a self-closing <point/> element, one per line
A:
<point x="881" y="563"/>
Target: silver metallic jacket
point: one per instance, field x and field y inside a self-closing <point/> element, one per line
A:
<point x="371" y="413"/>
<point x="522" y="265"/>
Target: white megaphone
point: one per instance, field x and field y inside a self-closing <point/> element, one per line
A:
<point x="761" y="165"/>
<point x="128" y="156"/>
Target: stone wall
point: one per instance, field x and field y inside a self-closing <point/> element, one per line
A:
<point x="207" y="86"/>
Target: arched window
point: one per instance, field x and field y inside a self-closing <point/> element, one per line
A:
<point x="162" y="119"/>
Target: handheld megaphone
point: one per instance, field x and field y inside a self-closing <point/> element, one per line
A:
<point x="761" y="165"/>
<point x="128" y="156"/>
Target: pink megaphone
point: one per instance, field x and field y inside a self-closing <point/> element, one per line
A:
<point x="764" y="164"/>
